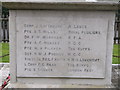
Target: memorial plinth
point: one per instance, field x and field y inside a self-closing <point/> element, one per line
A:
<point x="61" y="42"/>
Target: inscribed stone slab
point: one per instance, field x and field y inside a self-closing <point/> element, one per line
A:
<point x="62" y="44"/>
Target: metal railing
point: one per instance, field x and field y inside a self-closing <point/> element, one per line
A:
<point x="117" y="29"/>
<point x="4" y="29"/>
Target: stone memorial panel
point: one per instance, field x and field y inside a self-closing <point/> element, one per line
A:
<point x="61" y="44"/>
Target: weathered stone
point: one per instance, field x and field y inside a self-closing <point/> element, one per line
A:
<point x="61" y="45"/>
<point x="66" y="47"/>
<point x="59" y="4"/>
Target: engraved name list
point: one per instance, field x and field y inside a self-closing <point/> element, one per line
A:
<point x="59" y="47"/>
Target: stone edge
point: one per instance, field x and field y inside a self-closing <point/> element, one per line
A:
<point x="62" y="5"/>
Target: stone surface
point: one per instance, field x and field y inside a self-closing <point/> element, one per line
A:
<point x="115" y="83"/>
<point x="39" y="0"/>
<point x="19" y="85"/>
<point x="109" y="0"/>
<point x="59" y="4"/>
<point x="1" y="65"/>
<point x="115" y="78"/>
<point x="41" y="20"/>
<point x="116" y="75"/>
<point x="52" y="46"/>
<point x="4" y="72"/>
<point x="66" y="47"/>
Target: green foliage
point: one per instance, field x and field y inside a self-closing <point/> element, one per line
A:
<point x="116" y="60"/>
<point x="4" y="49"/>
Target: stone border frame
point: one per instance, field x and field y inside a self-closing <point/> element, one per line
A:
<point x="13" y="44"/>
